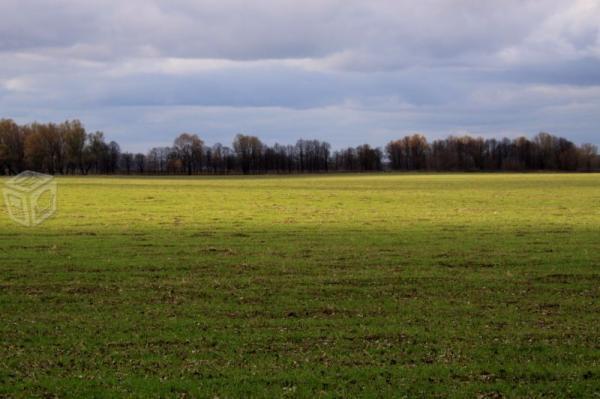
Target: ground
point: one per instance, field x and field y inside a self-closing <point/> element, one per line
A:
<point x="456" y="285"/>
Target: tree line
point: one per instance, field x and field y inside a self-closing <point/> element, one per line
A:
<point x="67" y="148"/>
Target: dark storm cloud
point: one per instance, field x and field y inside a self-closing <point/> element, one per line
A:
<point x="342" y="70"/>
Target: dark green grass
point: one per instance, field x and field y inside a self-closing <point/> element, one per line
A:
<point x="336" y="286"/>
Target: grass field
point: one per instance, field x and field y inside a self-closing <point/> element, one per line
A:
<point x="330" y="286"/>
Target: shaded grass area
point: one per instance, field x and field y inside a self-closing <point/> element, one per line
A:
<point x="335" y="286"/>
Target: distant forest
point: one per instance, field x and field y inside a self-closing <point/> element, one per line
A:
<point x="67" y="148"/>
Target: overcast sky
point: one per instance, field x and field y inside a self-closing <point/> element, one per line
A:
<point x="345" y="71"/>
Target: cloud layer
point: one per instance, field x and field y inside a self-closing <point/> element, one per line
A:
<point x="346" y="71"/>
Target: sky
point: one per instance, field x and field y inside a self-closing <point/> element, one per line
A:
<point x="345" y="71"/>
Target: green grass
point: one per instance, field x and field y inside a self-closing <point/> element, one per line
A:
<point x="330" y="286"/>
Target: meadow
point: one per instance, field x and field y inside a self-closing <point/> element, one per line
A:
<point x="382" y="285"/>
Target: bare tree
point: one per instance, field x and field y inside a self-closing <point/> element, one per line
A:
<point x="74" y="136"/>
<point x="12" y="147"/>
<point x="140" y="163"/>
<point x="189" y="150"/>
<point x="249" y="151"/>
<point x="67" y="148"/>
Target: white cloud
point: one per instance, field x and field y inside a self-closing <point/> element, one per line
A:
<point x="18" y="84"/>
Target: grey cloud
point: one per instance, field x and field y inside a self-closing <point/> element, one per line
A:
<point x="343" y="70"/>
<point x="582" y="72"/>
<point x="238" y="29"/>
<point x="27" y="25"/>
